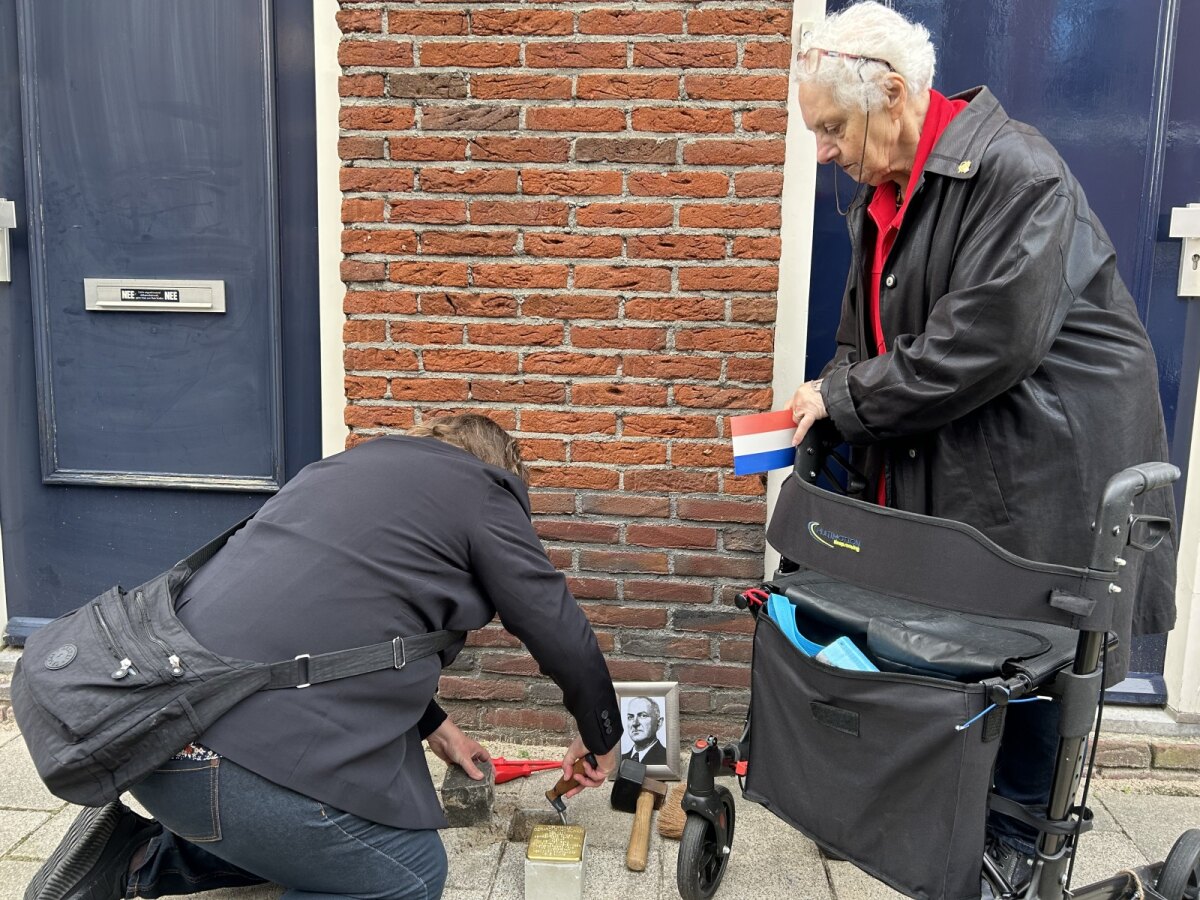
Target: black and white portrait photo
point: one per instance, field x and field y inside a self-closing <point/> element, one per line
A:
<point x="650" y="719"/>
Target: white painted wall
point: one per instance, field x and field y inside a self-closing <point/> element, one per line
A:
<point x="1182" y="670"/>
<point x="3" y="607"/>
<point x="329" y="226"/>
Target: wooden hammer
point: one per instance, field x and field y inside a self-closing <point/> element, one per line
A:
<point x="634" y="793"/>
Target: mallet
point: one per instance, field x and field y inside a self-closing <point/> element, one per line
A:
<point x="634" y="793"/>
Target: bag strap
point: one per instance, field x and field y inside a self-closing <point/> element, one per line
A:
<point x="209" y="550"/>
<point x="307" y="669"/>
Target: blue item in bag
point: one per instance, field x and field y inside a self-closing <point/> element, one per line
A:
<point x="842" y="653"/>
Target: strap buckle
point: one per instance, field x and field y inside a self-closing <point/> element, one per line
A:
<point x="399" y="659"/>
<point x="307" y="683"/>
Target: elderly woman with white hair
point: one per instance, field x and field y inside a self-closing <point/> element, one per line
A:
<point x="990" y="367"/>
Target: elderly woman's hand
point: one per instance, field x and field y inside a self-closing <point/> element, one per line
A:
<point x="807" y="407"/>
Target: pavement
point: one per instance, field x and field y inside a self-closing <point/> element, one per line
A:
<point x="1137" y="821"/>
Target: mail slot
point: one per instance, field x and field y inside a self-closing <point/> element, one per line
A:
<point x="153" y="295"/>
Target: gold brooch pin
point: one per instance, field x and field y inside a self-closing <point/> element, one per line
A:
<point x="964" y="167"/>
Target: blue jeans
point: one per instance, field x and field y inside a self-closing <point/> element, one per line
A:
<point x="1025" y="768"/>
<point x="224" y="826"/>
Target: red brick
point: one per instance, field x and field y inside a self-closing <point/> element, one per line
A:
<point x="469" y="361"/>
<point x="709" y="397"/>
<point x="360" y="388"/>
<point x="732" y="216"/>
<point x="735" y="651"/>
<point x="670" y="481"/>
<point x="672" y="246"/>
<point x="575" y="55"/>
<point x="684" y="54"/>
<point x="427" y="85"/>
<point x="622" y="561"/>
<point x="745" y="486"/>
<point x="575" y="477"/>
<point x="695" y="510"/>
<point x="624" y="215"/>
<point x="675" y="309"/>
<point x="522" y="335"/>
<point x="378" y="241"/>
<point x="699" y="456"/>
<point x="547" y="422"/>
<point x="717" y="676"/>
<point x="362" y="210"/>
<point x="772" y="120"/>
<point x="350" y="20"/>
<point x="581" y="532"/>
<point x="595" y="589"/>
<point x="416" y="332"/>
<point x="608" y="393"/>
<point x="360" y="86"/>
<point x="528" y="392"/>
<point x="623" y="278"/>
<point x="624" y="505"/>
<point x="376" y="118"/>
<point x="425" y="22"/>
<point x="736" y="87"/>
<point x="373" y="360"/>
<point x="624" y="616"/>
<point x="534" y="450"/>
<point x="360" y="148"/>
<point x="773" y="55"/>
<point x="430" y="273"/>
<point x="575" y="118"/>
<point x="469" y="243"/>
<point x="723" y="565"/>
<point x="729" y="340"/>
<point x="469" y="181"/>
<point x="729" y="278"/>
<point x="517" y="275"/>
<point x="430" y="390"/>
<point x="671" y="367"/>
<point x="379" y="302"/>
<point x="733" y="153"/>
<point x="619" y="338"/>
<point x="521" y="22"/>
<point x="518" y="212"/>
<point x="491" y="636"/>
<point x="758" y="184"/>
<point x="739" y="21"/>
<point x="571" y="245"/>
<point x="627" y="150"/>
<point x="570" y="183"/>
<point x="375" y="53"/>
<point x="627" y="87"/>
<point x="429" y="212"/>
<point x="456" y="304"/>
<point x="555" y="502"/>
<point x="570" y="306"/>
<point x="427" y="148"/>
<point x="678" y="184"/>
<point x="751" y="369"/>
<point x="627" y="670"/>
<point x="356" y="270"/>
<point x="668" y="426"/>
<point x="469" y="55"/>
<point x="714" y="621"/>
<point x="460" y="688"/>
<point x="375" y="178"/>
<point x="520" y="149"/>
<point x="378" y="417"/>
<point x="682" y="119"/>
<point x="680" y="536"/>
<point x="529" y="87"/>
<point x="619" y="452"/>
<point x="569" y="364"/>
<point x="675" y="647"/>
<point x="476" y="117"/>
<point x="622" y="21"/>
<point x="529" y="719"/>
<point x="669" y="592"/>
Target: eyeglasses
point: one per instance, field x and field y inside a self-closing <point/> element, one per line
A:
<point x="812" y="59"/>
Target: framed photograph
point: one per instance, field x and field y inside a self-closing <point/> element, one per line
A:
<point x="650" y="717"/>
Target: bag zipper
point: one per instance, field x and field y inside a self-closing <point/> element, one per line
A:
<point x="172" y="657"/>
<point x="125" y="663"/>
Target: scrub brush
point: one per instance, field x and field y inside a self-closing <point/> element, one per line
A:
<point x="671" y="817"/>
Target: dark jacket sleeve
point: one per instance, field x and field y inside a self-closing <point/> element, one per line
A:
<point x="431" y="720"/>
<point x="533" y="602"/>
<point x="1009" y="295"/>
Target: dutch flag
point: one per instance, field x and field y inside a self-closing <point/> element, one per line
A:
<point x="762" y="441"/>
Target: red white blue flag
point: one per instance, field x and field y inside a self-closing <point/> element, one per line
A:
<point x="762" y="441"/>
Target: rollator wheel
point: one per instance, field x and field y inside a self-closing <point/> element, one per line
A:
<point x="702" y="860"/>
<point x="1180" y="875"/>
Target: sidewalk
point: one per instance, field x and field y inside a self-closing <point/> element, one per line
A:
<point x="1136" y="822"/>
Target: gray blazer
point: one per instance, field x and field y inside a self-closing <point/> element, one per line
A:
<point x="397" y="536"/>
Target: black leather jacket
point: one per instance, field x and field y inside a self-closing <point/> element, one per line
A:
<point x="1018" y="376"/>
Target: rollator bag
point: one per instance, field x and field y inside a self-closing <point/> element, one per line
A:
<point x="869" y="765"/>
<point x="108" y="692"/>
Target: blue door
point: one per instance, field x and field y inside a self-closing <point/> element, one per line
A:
<point x="158" y="339"/>
<point x="1103" y="81"/>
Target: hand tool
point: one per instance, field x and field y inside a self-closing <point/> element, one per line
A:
<point x="634" y="793"/>
<point x="554" y="795"/>
<point x="508" y="769"/>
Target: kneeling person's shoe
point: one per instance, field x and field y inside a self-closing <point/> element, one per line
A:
<point x="1015" y="865"/>
<point x="92" y="860"/>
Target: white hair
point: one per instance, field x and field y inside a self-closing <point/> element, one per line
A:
<point x="869" y="29"/>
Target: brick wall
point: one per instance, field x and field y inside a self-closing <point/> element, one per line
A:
<point x="566" y="215"/>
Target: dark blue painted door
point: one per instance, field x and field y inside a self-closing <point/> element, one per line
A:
<point x="150" y="139"/>
<point x="1096" y="77"/>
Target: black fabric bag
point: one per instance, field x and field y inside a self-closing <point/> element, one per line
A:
<point x="108" y="692"/>
<point x="869" y="765"/>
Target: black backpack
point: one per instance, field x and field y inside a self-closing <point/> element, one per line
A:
<point x="107" y="693"/>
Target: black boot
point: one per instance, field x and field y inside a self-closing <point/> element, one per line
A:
<point x="92" y="860"/>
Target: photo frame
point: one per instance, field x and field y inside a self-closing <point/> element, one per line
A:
<point x="650" y="719"/>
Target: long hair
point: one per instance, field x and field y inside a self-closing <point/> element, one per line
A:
<point x="480" y="437"/>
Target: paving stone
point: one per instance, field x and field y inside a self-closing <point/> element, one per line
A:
<point x="1103" y="854"/>
<point x="15" y="826"/>
<point x="1176" y="754"/>
<point x="1153" y="821"/>
<point x="14" y="876"/>
<point x="20" y="788"/>
<point x="1130" y="754"/>
<point x="473" y="855"/>
<point x="467" y="801"/>
<point x="42" y="842"/>
<point x="523" y="820"/>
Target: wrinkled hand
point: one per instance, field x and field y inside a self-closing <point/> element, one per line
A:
<point x="451" y="745"/>
<point x="592" y="776"/>
<point x="807" y="408"/>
